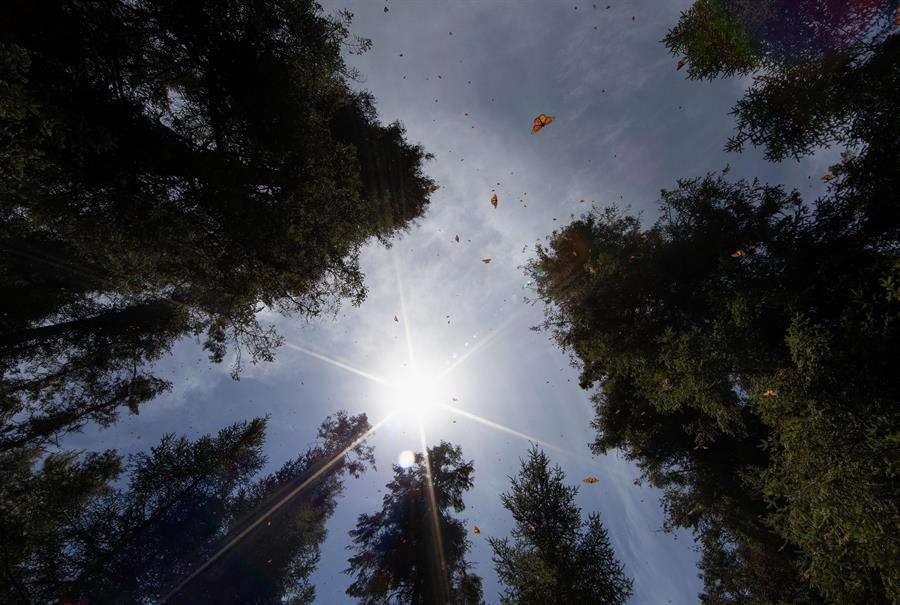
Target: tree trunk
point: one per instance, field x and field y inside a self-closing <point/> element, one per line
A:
<point x="142" y="314"/>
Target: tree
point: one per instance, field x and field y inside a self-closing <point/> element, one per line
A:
<point x="169" y="169"/>
<point x="69" y="533"/>
<point x="413" y="551"/>
<point x="554" y="555"/>
<point x="742" y="347"/>
<point x="823" y="72"/>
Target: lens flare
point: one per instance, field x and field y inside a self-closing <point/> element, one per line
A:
<point x="406" y="459"/>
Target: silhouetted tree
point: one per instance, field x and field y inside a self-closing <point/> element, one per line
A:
<point x="413" y="551"/>
<point x="554" y="556"/>
<point x="173" y="168"/>
<point x="71" y="534"/>
<point x="824" y="71"/>
<point x="743" y="347"/>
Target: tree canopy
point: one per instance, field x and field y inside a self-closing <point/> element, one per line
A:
<point x="743" y="348"/>
<point x="554" y="556"/>
<point x="823" y="72"/>
<point x="169" y="169"/>
<point x="412" y="551"/>
<point x="92" y="529"/>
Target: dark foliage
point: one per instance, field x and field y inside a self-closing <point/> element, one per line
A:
<point x="824" y="72"/>
<point x="72" y="531"/>
<point x="172" y="168"/>
<point x="743" y="347"/>
<point x="413" y="551"/>
<point x="555" y="556"/>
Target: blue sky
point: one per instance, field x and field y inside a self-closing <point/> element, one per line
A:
<point x="627" y="125"/>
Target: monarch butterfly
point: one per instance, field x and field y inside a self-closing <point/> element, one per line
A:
<point x="591" y="480"/>
<point x="457" y="239"/>
<point x="541" y="121"/>
<point x="681" y="63"/>
<point x="494" y="200"/>
<point x="395" y="319"/>
<point x="434" y="187"/>
<point x="486" y="261"/>
<point x="476" y="530"/>
<point x="769" y="393"/>
<point x="738" y="254"/>
<point x="827" y="178"/>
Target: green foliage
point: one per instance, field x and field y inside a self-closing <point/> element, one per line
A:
<point x="713" y="42"/>
<point x="413" y="550"/>
<point x="554" y="556"/>
<point x="76" y="530"/>
<point x="819" y="68"/>
<point x="174" y="168"/>
<point x="743" y="347"/>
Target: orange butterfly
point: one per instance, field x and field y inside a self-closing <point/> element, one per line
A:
<point x="541" y="121"/>
<point x="591" y="480"/>
<point x="681" y="63"/>
<point x="476" y="530"/>
<point x="434" y="187"/>
<point x="827" y="178"/>
<point x="494" y="200"/>
<point x="770" y="393"/>
<point x="738" y="254"/>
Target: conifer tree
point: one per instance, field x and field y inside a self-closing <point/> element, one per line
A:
<point x="412" y="551"/>
<point x="171" y="169"/>
<point x="553" y="555"/>
<point x="89" y="529"/>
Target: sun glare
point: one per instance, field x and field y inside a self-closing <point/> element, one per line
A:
<point x="414" y="395"/>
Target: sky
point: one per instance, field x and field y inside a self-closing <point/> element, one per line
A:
<point x="467" y="79"/>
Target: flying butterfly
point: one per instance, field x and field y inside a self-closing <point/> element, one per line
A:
<point x="476" y="530"/>
<point x="494" y="200"/>
<point x="434" y="187"/>
<point x="486" y="261"/>
<point x="738" y="254"/>
<point x="827" y="178"/>
<point x="457" y="239"/>
<point x="541" y="121"/>
<point x="591" y="480"/>
<point x="770" y="393"/>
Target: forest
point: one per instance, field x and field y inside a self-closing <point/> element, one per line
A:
<point x="176" y="170"/>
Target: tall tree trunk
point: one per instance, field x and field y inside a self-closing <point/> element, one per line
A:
<point x="143" y="314"/>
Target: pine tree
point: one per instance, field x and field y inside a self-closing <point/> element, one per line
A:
<point x="70" y="533"/>
<point x="823" y="72"/>
<point x="553" y="555"/>
<point x="171" y="169"/>
<point x="400" y="557"/>
<point x="742" y="351"/>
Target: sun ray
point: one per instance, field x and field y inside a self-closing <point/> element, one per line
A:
<point x="409" y="345"/>
<point x="262" y="517"/>
<point x="339" y="364"/>
<point x="484" y="341"/>
<point x="500" y="427"/>
<point x="435" y="518"/>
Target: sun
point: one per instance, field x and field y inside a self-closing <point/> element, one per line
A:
<point x="414" y="394"/>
